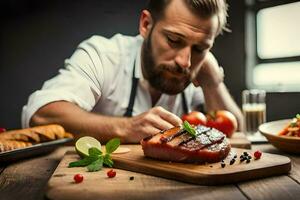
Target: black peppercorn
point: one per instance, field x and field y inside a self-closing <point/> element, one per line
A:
<point x="243" y="158"/>
<point x="248" y="161"/>
<point x="131" y="178"/>
<point x="223" y="165"/>
<point x="232" y="161"/>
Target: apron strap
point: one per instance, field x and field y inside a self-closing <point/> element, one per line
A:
<point x="186" y="110"/>
<point x="133" y="91"/>
<point x="135" y="81"/>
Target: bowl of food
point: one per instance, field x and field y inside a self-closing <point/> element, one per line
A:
<point x="283" y="134"/>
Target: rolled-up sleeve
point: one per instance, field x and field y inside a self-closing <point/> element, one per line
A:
<point x="79" y="82"/>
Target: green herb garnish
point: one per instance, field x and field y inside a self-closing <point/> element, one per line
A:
<point x="96" y="165"/>
<point x="96" y="159"/>
<point x="112" y="145"/>
<point x="189" y="128"/>
<point x="83" y="162"/>
<point x="298" y="116"/>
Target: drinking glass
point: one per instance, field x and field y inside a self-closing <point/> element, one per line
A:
<point x="254" y="109"/>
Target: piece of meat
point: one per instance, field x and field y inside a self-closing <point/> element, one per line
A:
<point x="176" y="144"/>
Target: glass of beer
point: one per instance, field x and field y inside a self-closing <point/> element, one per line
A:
<point x="254" y="109"/>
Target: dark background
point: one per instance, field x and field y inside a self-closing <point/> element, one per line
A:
<point x="36" y="36"/>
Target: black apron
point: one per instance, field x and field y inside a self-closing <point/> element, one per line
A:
<point x="135" y="82"/>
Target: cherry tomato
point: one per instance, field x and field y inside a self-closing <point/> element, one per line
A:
<point x="2" y="130"/>
<point x="195" y="118"/>
<point x="111" y="173"/>
<point x="257" y="154"/>
<point x="78" y="178"/>
<point x="222" y="120"/>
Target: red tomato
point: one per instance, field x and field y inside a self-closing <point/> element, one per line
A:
<point x="111" y="173"/>
<point x="195" y="118"/>
<point x="222" y="120"/>
<point x="78" y="178"/>
<point x="2" y="130"/>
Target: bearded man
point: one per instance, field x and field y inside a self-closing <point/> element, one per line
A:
<point x="133" y="87"/>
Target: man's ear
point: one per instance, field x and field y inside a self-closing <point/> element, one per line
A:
<point x="146" y="23"/>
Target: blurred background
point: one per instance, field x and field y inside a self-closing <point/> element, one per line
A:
<point x="261" y="51"/>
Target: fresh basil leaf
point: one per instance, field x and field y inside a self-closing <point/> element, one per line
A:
<point x="112" y="145"/>
<point x="96" y="165"/>
<point x="84" y="162"/>
<point x="189" y="128"/>
<point x="107" y="160"/>
<point x="94" y="152"/>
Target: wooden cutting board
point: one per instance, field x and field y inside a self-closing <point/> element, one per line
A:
<point x="62" y="183"/>
<point x="206" y="174"/>
<point x="239" y="140"/>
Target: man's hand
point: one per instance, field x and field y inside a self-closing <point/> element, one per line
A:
<point x="150" y="123"/>
<point x="210" y="74"/>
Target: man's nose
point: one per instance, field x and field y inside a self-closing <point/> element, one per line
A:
<point x="183" y="57"/>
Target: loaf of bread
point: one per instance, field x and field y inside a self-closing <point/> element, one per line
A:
<point x="21" y="138"/>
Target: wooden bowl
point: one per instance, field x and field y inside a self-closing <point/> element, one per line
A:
<point x="285" y="143"/>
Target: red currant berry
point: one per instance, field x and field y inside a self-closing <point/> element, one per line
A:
<point x="257" y="154"/>
<point x="78" y="178"/>
<point x="111" y="173"/>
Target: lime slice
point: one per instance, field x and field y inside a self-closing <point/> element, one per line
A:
<point x="83" y="144"/>
<point x="119" y="150"/>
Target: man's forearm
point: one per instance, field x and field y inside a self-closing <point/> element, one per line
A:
<point x="80" y="122"/>
<point x="218" y="98"/>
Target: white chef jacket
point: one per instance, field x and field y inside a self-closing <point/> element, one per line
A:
<point x="98" y="78"/>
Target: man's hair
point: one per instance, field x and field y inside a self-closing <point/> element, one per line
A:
<point x="203" y="8"/>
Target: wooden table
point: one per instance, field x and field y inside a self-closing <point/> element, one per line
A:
<point x="28" y="179"/>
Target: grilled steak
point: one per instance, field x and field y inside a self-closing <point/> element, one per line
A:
<point x="176" y="144"/>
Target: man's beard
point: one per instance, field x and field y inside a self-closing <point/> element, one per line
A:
<point x="154" y="73"/>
